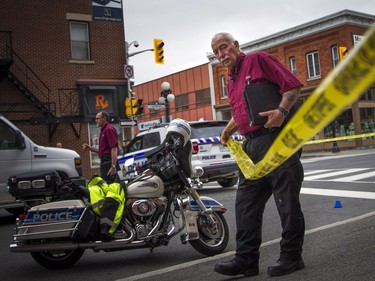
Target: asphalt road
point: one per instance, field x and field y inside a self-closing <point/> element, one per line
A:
<point x="339" y="242"/>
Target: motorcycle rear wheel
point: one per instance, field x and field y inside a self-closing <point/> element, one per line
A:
<point x="212" y="239"/>
<point x="58" y="259"/>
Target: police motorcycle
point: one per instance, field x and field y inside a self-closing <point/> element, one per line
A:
<point x="160" y="203"/>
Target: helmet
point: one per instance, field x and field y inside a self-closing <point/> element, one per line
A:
<point x="181" y="127"/>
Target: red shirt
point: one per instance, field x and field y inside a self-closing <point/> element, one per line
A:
<point x="107" y="139"/>
<point x="256" y="68"/>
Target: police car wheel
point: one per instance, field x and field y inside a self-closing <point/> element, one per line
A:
<point x="228" y="182"/>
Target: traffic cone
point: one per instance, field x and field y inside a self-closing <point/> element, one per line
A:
<point x="338" y="204"/>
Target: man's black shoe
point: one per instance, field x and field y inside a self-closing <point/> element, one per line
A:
<point x="282" y="267"/>
<point x="233" y="268"/>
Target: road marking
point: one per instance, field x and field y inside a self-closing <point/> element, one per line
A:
<point x="334" y="173"/>
<point x="338" y="193"/>
<point x="356" y="177"/>
<point x="316" y="172"/>
<point x="231" y="253"/>
<point x="328" y="157"/>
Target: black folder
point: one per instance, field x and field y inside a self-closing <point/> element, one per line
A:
<point x="260" y="98"/>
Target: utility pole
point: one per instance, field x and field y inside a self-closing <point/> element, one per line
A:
<point x="131" y="75"/>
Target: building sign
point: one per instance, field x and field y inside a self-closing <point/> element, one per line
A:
<point x="101" y="99"/>
<point x="357" y="39"/>
<point x="107" y="10"/>
<point x="147" y="125"/>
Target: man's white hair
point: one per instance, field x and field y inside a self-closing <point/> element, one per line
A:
<point x="226" y="35"/>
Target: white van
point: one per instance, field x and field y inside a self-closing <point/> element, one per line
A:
<point x="19" y="154"/>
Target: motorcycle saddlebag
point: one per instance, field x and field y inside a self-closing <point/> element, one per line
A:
<point x="33" y="184"/>
<point x="70" y="218"/>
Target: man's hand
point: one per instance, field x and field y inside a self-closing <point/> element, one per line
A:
<point x="112" y="171"/>
<point x="275" y="118"/>
<point x="86" y="147"/>
<point x="228" y="131"/>
<point x="224" y="137"/>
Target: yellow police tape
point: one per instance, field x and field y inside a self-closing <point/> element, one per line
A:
<point x="339" y="89"/>
<point x="367" y="135"/>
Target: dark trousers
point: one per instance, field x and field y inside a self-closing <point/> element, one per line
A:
<point x="284" y="183"/>
<point x="105" y="165"/>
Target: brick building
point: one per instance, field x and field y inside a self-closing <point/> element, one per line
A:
<point x="191" y="88"/>
<point x="60" y="63"/>
<point x="310" y="50"/>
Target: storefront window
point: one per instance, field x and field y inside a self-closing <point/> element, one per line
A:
<point x="94" y="133"/>
<point x="367" y="120"/>
<point x="343" y="125"/>
<point x="369" y="95"/>
<point x="367" y="115"/>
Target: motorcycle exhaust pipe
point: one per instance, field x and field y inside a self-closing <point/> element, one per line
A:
<point x="96" y="246"/>
<point x="15" y="248"/>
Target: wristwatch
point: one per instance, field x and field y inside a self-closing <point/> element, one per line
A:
<point x="114" y="166"/>
<point x="284" y="111"/>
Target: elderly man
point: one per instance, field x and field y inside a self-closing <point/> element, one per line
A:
<point x="284" y="183"/>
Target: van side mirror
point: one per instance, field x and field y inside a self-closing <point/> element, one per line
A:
<point x="20" y="140"/>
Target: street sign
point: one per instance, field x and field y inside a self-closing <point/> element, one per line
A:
<point x="130" y="123"/>
<point x="128" y="71"/>
<point x="155" y="106"/>
<point x="148" y="124"/>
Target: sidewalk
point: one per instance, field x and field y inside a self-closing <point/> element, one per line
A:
<point x="308" y="154"/>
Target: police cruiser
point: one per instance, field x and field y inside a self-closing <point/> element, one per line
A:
<point x="208" y="152"/>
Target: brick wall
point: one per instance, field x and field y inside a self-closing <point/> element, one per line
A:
<point x="41" y="37"/>
<point x="321" y="42"/>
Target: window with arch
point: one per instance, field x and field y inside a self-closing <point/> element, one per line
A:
<point x="313" y="65"/>
<point x="293" y="68"/>
<point x="224" y="93"/>
<point x="335" y="55"/>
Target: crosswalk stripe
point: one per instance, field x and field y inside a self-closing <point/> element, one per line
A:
<point x="316" y="172"/>
<point x="338" y="193"/>
<point x="356" y="177"/>
<point x="332" y="174"/>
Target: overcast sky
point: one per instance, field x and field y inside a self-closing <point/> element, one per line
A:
<point x="187" y="26"/>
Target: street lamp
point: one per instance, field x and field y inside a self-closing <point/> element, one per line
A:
<point x="128" y="55"/>
<point x="127" y="46"/>
<point x="166" y="97"/>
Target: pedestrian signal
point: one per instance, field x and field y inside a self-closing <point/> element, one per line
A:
<point x="133" y="107"/>
<point x="159" y="51"/>
<point x="343" y="52"/>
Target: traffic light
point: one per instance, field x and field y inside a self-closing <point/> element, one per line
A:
<point x="343" y="51"/>
<point x="133" y="107"/>
<point x="159" y="51"/>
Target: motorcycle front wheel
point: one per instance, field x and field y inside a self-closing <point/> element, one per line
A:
<point x="213" y="239"/>
<point x="58" y="259"/>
